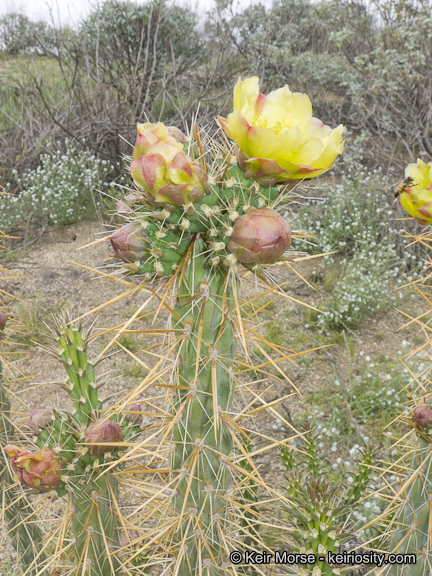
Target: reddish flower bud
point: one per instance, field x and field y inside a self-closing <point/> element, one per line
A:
<point x="40" y="469"/>
<point x="134" y="418"/>
<point x="122" y="208"/>
<point x="39" y="419"/>
<point x="422" y="417"/>
<point x="3" y="320"/>
<point x="101" y="433"/>
<point x="260" y="236"/>
<point x="127" y="244"/>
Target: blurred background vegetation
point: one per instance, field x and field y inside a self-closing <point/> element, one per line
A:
<point x="364" y="64"/>
<point x="70" y="98"/>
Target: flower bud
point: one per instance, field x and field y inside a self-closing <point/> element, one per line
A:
<point x="127" y="203"/>
<point x="40" y="469"/>
<point x="122" y="208"/>
<point x="162" y="169"/>
<point x="39" y="419"/>
<point x="127" y="244"/>
<point x="101" y="433"/>
<point x="134" y="418"/>
<point x="422" y="417"/>
<point x="260" y="236"/>
<point x="3" y="320"/>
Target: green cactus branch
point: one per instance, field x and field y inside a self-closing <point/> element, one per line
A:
<point x="205" y="392"/>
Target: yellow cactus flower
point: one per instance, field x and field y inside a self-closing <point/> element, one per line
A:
<point x="163" y="170"/>
<point x="278" y="137"/>
<point x="149" y="134"/>
<point x="416" y="193"/>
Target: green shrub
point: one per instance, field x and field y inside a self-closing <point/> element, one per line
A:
<point x="356" y="219"/>
<point x="64" y="188"/>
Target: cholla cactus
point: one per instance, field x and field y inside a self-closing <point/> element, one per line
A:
<point x="27" y="538"/>
<point x="317" y="508"/>
<point x="407" y="519"/>
<point x="207" y="225"/>
<point x="321" y="508"/>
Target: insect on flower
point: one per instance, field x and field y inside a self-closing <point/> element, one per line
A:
<point x="401" y="187"/>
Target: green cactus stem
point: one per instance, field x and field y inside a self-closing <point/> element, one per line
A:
<point x="94" y="494"/>
<point x="94" y="521"/>
<point x="318" y="511"/>
<point x="85" y="476"/>
<point x="202" y="438"/>
<point x="410" y="527"/>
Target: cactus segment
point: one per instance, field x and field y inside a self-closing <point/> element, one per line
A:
<point x="83" y="469"/>
<point x="205" y="391"/>
<point x="409" y="527"/>
<point x="168" y="233"/>
<point x="317" y="511"/>
<point x="190" y="241"/>
<point x="72" y="353"/>
<point x="94" y="522"/>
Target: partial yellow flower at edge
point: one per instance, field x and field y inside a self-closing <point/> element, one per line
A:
<point x="416" y="199"/>
<point x="245" y="91"/>
<point x="279" y="137"/>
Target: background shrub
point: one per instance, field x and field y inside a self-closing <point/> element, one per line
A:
<point x="355" y="218"/>
<point x="65" y="187"/>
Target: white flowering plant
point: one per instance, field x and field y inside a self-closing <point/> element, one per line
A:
<point x="67" y="186"/>
<point x="356" y="220"/>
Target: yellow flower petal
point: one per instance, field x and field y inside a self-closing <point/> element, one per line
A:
<point x="421" y="173"/>
<point x="159" y="130"/>
<point x="328" y="155"/>
<point x="245" y="91"/>
<point x="239" y="127"/>
<point x="285" y="109"/>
